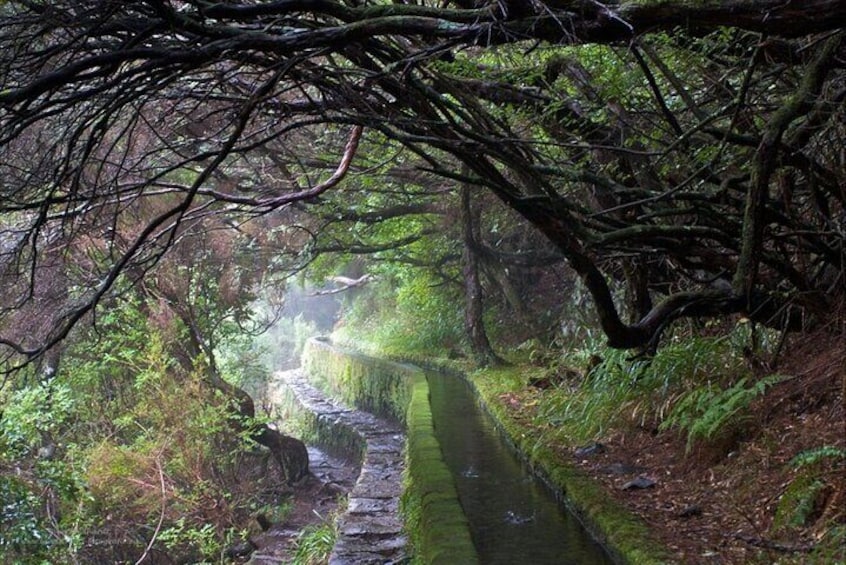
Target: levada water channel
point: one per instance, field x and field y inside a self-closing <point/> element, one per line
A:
<point x="514" y="520"/>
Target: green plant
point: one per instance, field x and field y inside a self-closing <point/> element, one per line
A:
<point x="594" y="405"/>
<point x="800" y="503"/>
<point x="21" y="530"/>
<point x="203" y="538"/>
<point x="315" y="543"/>
<point x="710" y="413"/>
<point x="33" y="414"/>
<point x="817" y="455"/>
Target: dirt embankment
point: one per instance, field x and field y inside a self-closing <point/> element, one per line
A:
<point x="750" y="501"/>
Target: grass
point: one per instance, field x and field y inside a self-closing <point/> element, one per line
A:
<point x="314" y="544"/>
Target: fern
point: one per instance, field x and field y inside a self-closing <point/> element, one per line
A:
<point x="709" y="413"/>
<point x="799" y="503"/>
<point x="811" y="457"/>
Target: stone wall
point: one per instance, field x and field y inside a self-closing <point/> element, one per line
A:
<point x="375" y="385"/>
<point x="436" y="522"/>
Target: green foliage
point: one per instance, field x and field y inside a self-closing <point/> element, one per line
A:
<point x="615" y="389"/>
<point x="21" y="529"/>
<point x="120" y="434"/>
<point x="315" y="543"/>
<point x="818" y="476"/>
<point x="817" y="456"/>
<point x="800" y="503"/>
<point x="708" y="413"/>
<point x="204" y="538"/>
<point x="32" y="415"/>
<point x="411" y="313"/>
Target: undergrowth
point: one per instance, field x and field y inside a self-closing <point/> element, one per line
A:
<point x="315" y="543"/>
<point x="700" y="386"/>
<point x="709" y="413"/>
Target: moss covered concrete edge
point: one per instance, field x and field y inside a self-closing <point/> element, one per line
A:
<point x="374" y="385"/>
<point x="331" y="435"/>
<point x="436" y="522"/>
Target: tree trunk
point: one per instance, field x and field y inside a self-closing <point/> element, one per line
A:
<point x="638" y="300"/>
<point x="474" y="324"/>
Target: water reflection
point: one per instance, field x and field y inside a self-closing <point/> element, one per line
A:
<point x="513" y="519"/>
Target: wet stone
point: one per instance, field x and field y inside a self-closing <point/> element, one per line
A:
<point x="593" y="448"/>
<point x="639" y="483"/>
<point x="371" y="529"/>
<point x="391" y="443"/>
<point x="377" y="490"/>
<point x="370" y="525"/>
<point x="382" y="460"/>
<point x="373" y="505"/>
<point x="363" y="558"/>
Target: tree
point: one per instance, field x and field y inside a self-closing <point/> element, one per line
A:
<point x="474" y="325"/>
<point x="704" y="167"/>
<point x="207" y="285"/>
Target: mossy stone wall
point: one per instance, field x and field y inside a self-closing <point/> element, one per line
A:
<point x="436" y="522"/>
<point x="375" y="385"/>
<point x="335" y="438"/>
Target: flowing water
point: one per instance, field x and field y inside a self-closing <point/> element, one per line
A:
<point x="513" y="518"/>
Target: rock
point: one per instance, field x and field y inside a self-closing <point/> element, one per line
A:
<point x="242" y="549"/>
<point x="639" y="483"/>
<point x="622" y="469"/>
<point x="690" y="511"/>
<point x="593" y="448"/>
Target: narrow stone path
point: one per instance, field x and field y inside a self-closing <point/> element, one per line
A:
<point x="370" y="531"/>
<point x="331" y="478"/>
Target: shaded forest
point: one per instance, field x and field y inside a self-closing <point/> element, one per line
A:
<point x="589" y="188"/>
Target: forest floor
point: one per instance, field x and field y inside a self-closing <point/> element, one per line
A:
<point x="723" y="504"/>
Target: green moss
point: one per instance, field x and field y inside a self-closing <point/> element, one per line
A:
<point x="434" y="519"/>
<point x="374" y="385"/>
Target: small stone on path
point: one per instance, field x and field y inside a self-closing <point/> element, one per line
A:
<point x="593" y="448"/>
<point x="639" y="483"/>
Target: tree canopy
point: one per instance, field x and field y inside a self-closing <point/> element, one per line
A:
<point x="691" y="151"/>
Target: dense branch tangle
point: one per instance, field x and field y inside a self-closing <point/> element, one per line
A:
<point x="124" y="124"/>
